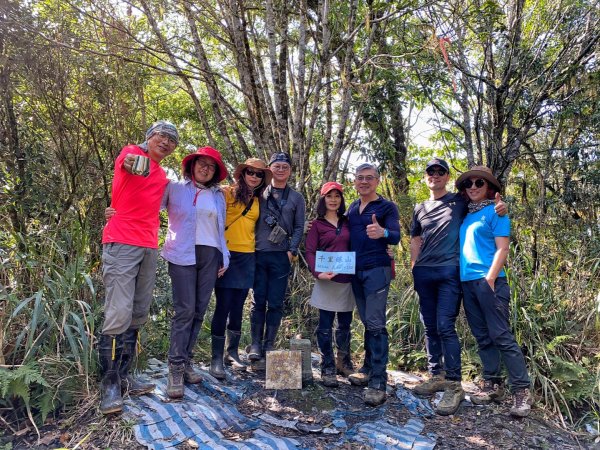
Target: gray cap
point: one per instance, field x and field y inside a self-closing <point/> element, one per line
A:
<point x="161" y="126"/>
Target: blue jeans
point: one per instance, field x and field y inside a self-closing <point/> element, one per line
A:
<point x="371" y="289"/>
<point x="439" y="303"/>
<point x="488" y="316"/>
<point x="270" y="285"/>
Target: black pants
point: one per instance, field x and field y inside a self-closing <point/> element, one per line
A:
<point x="270" y="284"/>
<point x="192" y="287"/>
<point x="228" y="310"/>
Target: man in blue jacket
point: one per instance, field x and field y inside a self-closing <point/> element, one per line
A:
<point x="374" y="223"/>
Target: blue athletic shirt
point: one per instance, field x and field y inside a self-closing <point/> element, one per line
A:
<point x="477" y="242"/>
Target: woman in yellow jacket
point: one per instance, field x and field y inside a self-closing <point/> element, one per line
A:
<point x="232" y="288"/>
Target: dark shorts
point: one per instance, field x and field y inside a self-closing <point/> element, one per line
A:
<point x="240" y="273"/>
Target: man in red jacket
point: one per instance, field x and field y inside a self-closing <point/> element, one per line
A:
<point x="129" y="257"/>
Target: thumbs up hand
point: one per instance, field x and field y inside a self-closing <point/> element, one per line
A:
<point x="500" y="207"/>
<point x="374" y="230"/>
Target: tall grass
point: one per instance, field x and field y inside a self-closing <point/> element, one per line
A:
<point x="47" y="347"/>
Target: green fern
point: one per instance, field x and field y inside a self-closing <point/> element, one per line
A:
<point x="19" y="382"/>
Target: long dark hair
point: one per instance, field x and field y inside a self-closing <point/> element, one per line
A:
<point x="322" y="209"/>
<point x="242" y="193"/>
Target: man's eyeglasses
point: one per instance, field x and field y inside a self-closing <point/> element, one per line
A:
<point x="280" y="168"/>
<point x="164" y="135"/>
<point x="367" y="178"/>
<point x="257" y="174"/>
<point x="438" y="172"/>
<point x="467" y="184"/>
<point x="207" y="166"/>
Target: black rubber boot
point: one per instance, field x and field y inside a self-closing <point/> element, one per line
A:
<point x="326" y="348"/>
<point x="270" y="338"/>
<point x="216" y="363"/>
<point x="324" y="337"/>
<point x="232" y="357"/>
<point x="257" y="330"/>
<point x="109" y="355"/>
<point x="129" y="383"/>
<point x="343" y="360"/>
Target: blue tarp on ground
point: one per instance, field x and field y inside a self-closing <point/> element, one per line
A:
<point x="208" y="416"/>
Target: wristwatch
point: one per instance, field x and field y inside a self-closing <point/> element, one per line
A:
<point x="294" y="252"/>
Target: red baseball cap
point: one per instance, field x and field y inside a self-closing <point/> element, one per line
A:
<point x="330" y="186"/>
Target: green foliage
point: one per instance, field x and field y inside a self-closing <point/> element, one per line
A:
<point x="19" y="381"/>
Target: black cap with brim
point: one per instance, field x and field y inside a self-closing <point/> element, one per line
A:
<point x="438" y="162"/>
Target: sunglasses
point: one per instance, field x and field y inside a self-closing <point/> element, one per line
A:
<point x="467" y="184"/>
<point x="438" y="172"/>
<point x="257" y="174"/>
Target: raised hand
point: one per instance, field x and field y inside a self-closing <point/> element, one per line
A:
<point x="500" y="208"/>
<point x="374" y="230"/>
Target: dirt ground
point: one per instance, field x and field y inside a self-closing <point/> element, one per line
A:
<point x="472" y="427"/>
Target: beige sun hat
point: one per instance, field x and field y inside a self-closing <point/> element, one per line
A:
<point x="481" y="172"/>
<point x="254" y="163"/>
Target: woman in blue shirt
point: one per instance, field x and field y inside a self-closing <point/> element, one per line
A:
<point x="484" y="241"/>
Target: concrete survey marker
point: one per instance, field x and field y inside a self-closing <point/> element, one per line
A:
<point x="284" y="369"/>
<point x="304" y="346"/>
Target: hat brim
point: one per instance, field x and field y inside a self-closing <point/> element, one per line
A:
<point x="240" y="168"/>
<point x="189" y="160"/>
<point x="481" y="174"/>
<point x="332" y="188"/>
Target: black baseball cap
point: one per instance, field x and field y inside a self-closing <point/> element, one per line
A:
<point x="280" y="157"/>
<point x="438" y="162"/>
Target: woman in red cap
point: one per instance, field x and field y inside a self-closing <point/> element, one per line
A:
<point x="332" y="293"/>
<point x="197" y="254"/>
<point x="242" y="200"/>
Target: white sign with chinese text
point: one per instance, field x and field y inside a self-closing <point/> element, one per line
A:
<point x="336" y="262"/>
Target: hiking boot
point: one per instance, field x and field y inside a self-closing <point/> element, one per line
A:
<point x="343" y="361"/>
<point x="216" y="363"/>
<point x="360" y="378"/>
<point x="232" y="357"/>
<point x="453" y="395"/>
<point x="435" y="384"/>
<point x="190" y="374"/>
<point x="175" y="380"/>
<point x="374" y="397"/>
<point x="328" y="378"/>
<point x="490" y="391"/>
<point x="343" y="364"/>
<point x="522" y="401"/>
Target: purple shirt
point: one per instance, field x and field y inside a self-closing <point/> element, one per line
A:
<point x="325" y="237"/>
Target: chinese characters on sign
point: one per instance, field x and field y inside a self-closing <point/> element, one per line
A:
<point x="336" y="262"/>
